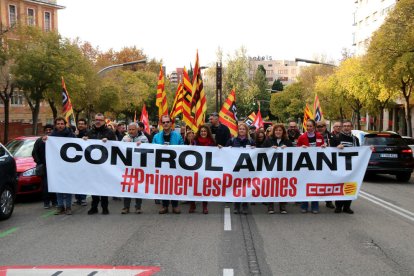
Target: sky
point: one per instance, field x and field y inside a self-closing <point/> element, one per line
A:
<point x="172" y="31"/>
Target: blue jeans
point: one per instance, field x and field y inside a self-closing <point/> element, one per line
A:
<point x="64" y="198"/>
<point x="314" y="205"/>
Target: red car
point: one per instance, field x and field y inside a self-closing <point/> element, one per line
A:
<point x="21" y="148"/>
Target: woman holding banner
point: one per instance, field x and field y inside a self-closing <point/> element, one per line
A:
<point x="242" y="140"/>
<point x="278" y="139"/>
<point x="203" y="138"/>
<point x="310" y="138"/>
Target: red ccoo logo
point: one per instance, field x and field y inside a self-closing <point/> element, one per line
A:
<point x="316" y="189"/>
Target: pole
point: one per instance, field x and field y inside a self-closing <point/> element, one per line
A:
<point x="218" y="86"/>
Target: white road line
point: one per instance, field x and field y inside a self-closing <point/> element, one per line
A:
<point x="227" y="221"/>
<point x="387" y="205"/>
<point x="228" y="272"/>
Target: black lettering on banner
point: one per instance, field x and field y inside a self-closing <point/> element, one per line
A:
<point x="262" y="158"/>
<point x="159" y="158"/>
<point x="209" y="166"/>
<point x="183" y="156"/>
<point x="249" y="163"/>
<point x="64" y="152"/>
<point x="321" y="156"/>
<point x="304" y="156"/>
<point x="116" y="152"/>
<point x="103" y="157"/>
<point x="143" y="153"/>
<point x="348" y="159"/>
<point x="289" y="161"/>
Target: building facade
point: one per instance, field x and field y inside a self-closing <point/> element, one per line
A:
<point x="39" y="13"/>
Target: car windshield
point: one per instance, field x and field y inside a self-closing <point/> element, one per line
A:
<point x="21" y="148"/>
<point x="384" y="141"/>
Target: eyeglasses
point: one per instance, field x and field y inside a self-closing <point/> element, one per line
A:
<point x="337" y="126"/>
<point x="166" y="122"/>
<point x="321" y="126"/>
<point x="99" y="120"/>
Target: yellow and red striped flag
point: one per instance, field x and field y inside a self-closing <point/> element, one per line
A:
<point x="307" y="115"/>
<point x="199" y="101"/>
<point x="144" y="118"/>
<point x="67" y="109"/>
<point x="317" y="110"/>
<point x="187" y="98"/>
<point x="177" y="108"/>
<point x="250" y="119"/>
<point x="161" y="101"/>
<point x="228" y="113"/>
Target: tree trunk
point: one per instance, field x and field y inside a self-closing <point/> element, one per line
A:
<point x="53" y="107"/>
<point x="6" y="97"/>
<point x="35" y="116"/>
<point x="381" y="119"/>
<point x="407" y="116"/>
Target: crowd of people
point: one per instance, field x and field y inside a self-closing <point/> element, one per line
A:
<point x="213" y="134"/>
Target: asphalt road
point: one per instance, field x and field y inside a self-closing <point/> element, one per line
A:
<point x="376" y="240"/>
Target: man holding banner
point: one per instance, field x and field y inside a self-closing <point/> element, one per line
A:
<point x="168" y="137"/>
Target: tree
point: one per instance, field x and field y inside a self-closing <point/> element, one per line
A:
<point x="258" y="91"/>
<point x="288" y="104"/>
<point x="391" y="54"/>
<point x="6" y="93"/>
<point x="277" y="86"/>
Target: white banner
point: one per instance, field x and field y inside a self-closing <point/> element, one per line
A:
<point x="204" y="173"/>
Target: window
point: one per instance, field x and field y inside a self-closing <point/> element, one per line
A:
<point x="12" y="15"/>
<point x="47" y="26"/>
<point x="30" y="17"/>
<point x="269" y="65"/>
<point x="17" y="98"/>
<point x="374" y="16"/>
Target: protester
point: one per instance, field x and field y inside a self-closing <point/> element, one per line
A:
<point x="141" y="127"/>
<point x="260" y="139"/>
<point x="64" y="201"/>
<point x="221" y="133"/>
<point x="293" y="132"/>
<point x="189" y="138"/>
<point x="337" y="129"/>
<point x="168" y="137"/>
<point x="252" y="131"/>
<point x="203" y="138"/>
<point x="310" y="138"/>
<point x="268" y="131"/>
<point x="345" y="139"/>
<point x="100" y="131"/>
<point x="327" y="137"/>
<point x="80" y="132"/>
<point x="39" y="156"/>
<point x="136" y="136"/>
<point x="120" y="131"/>
<point x="242" y="140"/>
<point x="278" y="139"/>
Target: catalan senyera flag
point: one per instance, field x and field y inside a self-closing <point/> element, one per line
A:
<point x="67" y="109"/>
<point x="317" y="110"/>
<point x="177" y="107"/>
<point x="161" y="101"/>
<point x="250" y="119"/>
<point x="307" y="114"/>
<point x="199" y="101"/>
<point x="144" y="118"/>
<point x="228" y="113"/>
<point x="187" y="99"/>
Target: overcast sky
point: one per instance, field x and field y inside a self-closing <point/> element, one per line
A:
<point x="174" y="30"/>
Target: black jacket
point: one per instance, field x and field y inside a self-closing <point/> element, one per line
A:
<point x="100" y="133"/>
<point x="221" y="134"/>
<point x="273" y="142"/>
<point x="236" y="142"/>
<point x="346" y="140"/>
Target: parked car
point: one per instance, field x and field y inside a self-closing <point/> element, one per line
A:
<point x="410" y="142"/>
<point x="28" y="182"/>
<point x="8" y="180"/>
<point x="390" y="154"/>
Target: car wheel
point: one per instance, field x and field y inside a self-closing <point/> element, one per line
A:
<point x="6" y="202"/>
<point x="403" y="177"/>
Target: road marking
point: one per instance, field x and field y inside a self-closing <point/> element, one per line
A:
<point x="48" y="214"/>
<point x="387" y="205"/>
<point x="8" y="232"/>
<point x="227" y="219"/>
<point x="228" y="272"/>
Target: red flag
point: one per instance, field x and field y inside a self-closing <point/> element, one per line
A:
<point x="228" y="113"/>
<point x="144" y="119"/>
<point x="258" y="122"/>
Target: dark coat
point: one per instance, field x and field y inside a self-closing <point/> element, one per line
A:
<point x="100" y="133"/>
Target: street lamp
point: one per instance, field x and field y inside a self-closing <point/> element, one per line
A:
<point x="314" y="62"/>
<point x="102" y="71"/>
